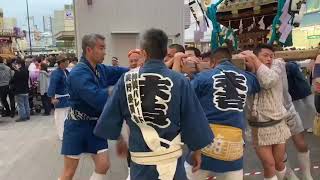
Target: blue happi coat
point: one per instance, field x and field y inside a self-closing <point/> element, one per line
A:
<point x="58" y="86"/>
<point x="183" y="115"/>
<point x="88" y="87"/>
<point x="223" y="104"/>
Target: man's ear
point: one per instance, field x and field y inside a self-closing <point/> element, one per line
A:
<point x="212" y="63"/>
<point x="144" y="54"/>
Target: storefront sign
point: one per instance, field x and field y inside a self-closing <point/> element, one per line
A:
<point x="313" y="37"/>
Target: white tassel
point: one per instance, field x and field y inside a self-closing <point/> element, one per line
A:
<point x="241" y="27"/>
<point x="252" y="25"/>
<point x="261" y="24"/>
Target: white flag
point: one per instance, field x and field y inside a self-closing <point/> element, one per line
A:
<point x="241" y="27"/>
<point x="302" y="11"/>
<point x="261" y="24"/>
<point x="252" y="25"/>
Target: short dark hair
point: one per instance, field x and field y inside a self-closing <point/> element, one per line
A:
<point x="21" y="62"/>
<point x="221" y="53"/>
<point x="61" y="59"/>
<point x="196" y="51"/>
<point x="74" y="59"/>
<point x="258" y="49"/>
<point x="115" y="58"/>
<point x="155" y="43"/>
<point x="1" y="59"/>
<point x="90" y="40"/>
<point x="177" y="47"/>
<point x="206" y="54"/>
<point x="38" y="59"/>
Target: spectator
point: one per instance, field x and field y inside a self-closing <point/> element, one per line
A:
<point x="32" y="66"/>
<point x="115" y="61"/>
<point x="21" y="88"/>
<point x="6" y="75"/>
<point x="135" y="58"/>
<point x="44" y="84"/>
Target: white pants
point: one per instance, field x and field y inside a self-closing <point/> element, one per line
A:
<point x="204" y="174"/>
<point x="306" y="109"/>
<point x="60" y="115"/>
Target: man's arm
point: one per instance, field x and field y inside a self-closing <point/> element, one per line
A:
<point x="252" y="83"/>
<point x="169" y="63"/>
<point x="54" y="80"/>
<point x="196" y="85"/>
<point x="53" y="84"/>
<point x="110" y="122"/>
<point x="88" y="90"/>
<point x="267" y="77"/>
<point x="182" y="63"/>
<point x="114" y="73"/>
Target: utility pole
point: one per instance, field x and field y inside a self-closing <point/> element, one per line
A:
<point x="30" y="45"/>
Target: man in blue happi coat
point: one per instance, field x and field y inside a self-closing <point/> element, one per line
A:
<point x="58" y="93"/>
<point x="87" y="85"/>
<point x="222" y="92"/>
<point x="162" y="112"/>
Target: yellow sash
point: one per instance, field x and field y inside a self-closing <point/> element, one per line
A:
<point x="316" y="125"/>
<point x="227" y="144"/>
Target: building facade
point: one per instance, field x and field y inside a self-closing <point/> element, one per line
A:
<point x="63" y="28"/>
<point x="9" y="23"/>
<point x="47" y="23"/>
<point x="122" y="22"/>
<point x="308" y="34"/>
<point x="1" y="18"/>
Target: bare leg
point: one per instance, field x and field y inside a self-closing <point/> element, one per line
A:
<point x="102" y="164"/>
<point x="300" y="143"/>
<point x="266" y="157"/>
<point x="70" y="167"/>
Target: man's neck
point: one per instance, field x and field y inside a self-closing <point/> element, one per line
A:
<point x="93" y="65"/>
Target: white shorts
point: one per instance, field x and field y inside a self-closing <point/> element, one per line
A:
<point x="204" y="174"/>
<point x="79" y="156"/>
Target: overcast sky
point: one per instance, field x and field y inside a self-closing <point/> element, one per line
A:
<point x="37" y="8"/>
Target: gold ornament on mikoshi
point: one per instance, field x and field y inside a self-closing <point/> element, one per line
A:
<point x="207" y="2"/>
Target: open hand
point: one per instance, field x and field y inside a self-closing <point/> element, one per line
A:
<point x="196" y="160"/>
<point x="55" y="101"/>
<point x="122" y="148"/>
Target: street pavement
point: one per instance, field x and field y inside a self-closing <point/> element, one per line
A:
<point x="30" y="151"/>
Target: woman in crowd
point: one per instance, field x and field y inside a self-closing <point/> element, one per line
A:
<point x="44" y="84"/>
